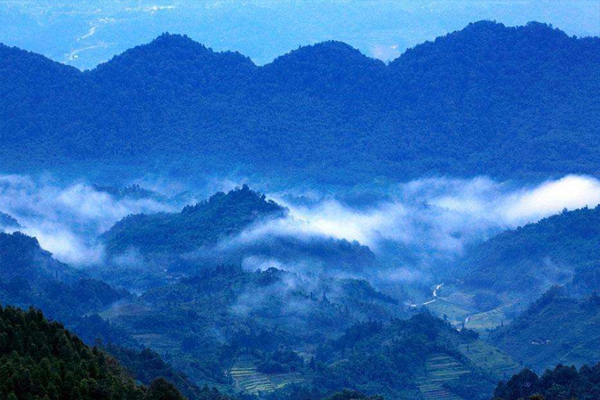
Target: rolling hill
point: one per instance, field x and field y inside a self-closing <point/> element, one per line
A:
<point x="41" y="359"/>
<point x="556" y="329"/>
<point x="525" y="262"/>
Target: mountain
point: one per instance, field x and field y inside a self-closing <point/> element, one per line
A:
<point x="562" y="382"/>
<point x="289" y="336"/>
<point x="556" y="329"/>
<point x="30" y="276"/>
<point x="205" y="223"/>
<point x="219" y="231"/>
<point x="223" y="315"/>
<point x="7" y="221"/>
<point x="22" y="256"/>
<point x="419" y="358"/>
<point x="41" y="359"/>
<point x="524" y="263"/>
<point x="506" y="102"/>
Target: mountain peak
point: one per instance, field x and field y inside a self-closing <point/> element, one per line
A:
<point x="328" y="53"/>
<point x="176" y="57"/>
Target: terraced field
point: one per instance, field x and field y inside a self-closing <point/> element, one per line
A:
<point x="490" y="359"/>
<point x="455" y="313"/>
<point x="441" y="368"/>
<point x="281" y="380"/>
<point x="487" y="320"/>
<point x="249" y="380"/>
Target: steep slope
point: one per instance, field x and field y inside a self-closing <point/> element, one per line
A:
<point x="554" y="330"/>
<point x="508" y="102"/>
<point x="41" y="359"/>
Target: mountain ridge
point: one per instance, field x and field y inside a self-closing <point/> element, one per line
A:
<point x="179" y="40"/>
<point x="487" y="99"/>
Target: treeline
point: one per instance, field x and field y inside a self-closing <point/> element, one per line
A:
<point x="560" y="383"/>
<point x="41" y="360"/>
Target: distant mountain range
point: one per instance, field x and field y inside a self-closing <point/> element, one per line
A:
<point x="507" y="102"/>
<point x="85" y="33"/>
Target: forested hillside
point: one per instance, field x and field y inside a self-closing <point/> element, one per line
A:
<point x="42" y="360"/>
<point x="30" y="276"/>
<point x="523" y="263"/>
<point x="207" y="234"/>
<point x="554" y="330"/>
<point x="506" y="102"/>
<point x="562" y="382"/>
<point x="202" y="224"/>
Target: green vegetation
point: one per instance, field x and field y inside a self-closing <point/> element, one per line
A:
<point x="524" y="263"/>
<point x="205" y="223"/>
<point x="411" y="359"/>
<point x="556" y="329"/>
<point x="249" y="380"/>
<point x="30" y="276"/>
<point x="147" y="366"/>
<point x="560" y="383"/>
<point x="507" y="102"/>
<point x="168" y="246"/>
<point x="209" y="322"/>
<point x="440" y="369"/>
<point x="490" y="359"/>
<point x="41" y="360"/>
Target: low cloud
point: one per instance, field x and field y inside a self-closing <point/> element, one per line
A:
<point x="430" y="218"/>
<point x="66" y="220"/>
<point x="439" y="215"/>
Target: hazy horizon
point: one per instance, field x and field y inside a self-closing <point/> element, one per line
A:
<point x="87" y="34"/>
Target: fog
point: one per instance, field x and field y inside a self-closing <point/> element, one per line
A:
<point x="66" y="220"/>
<point x="440" y="215"/>
<point x="431" y="217"/>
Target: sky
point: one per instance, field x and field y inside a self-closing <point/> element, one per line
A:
<point x="86" y="33"/>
